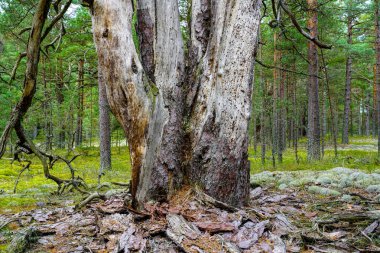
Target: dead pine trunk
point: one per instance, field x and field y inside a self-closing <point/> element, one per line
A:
<point x="184" y="126"/>
<point x="313" y="125"/>
<point x="347" y="97"/>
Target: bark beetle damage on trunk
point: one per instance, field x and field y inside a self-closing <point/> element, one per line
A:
<point x="177" y="122"/>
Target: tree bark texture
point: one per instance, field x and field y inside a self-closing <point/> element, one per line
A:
<point x="185" y="116"/>
<point x="313" y="124"/>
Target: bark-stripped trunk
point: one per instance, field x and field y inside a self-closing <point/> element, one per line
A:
<point x="377" y="73"/>
<point x="347" y="97"/>
<point x="199" y="138"/>
<point x="104" y="128"/>
<point x="313" y="126"/>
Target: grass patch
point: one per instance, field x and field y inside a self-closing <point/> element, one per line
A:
<point x="365" y="160"/>
<point x="34" y="187"/>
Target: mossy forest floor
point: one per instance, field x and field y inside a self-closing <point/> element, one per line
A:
<point x="327" y="206"/>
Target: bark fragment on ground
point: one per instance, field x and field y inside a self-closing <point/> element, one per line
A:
<point x="288" y="220"/>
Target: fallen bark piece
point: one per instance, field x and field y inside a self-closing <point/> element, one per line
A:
<point x="114" y="223"/>
<point x="181" y="228"/>
<point x="334" y="236"/>
<point x="371" y="228"/>
<point x="215" y="227"/>
<point x="256" y="193"/>
<point x="132" y="239"/>
<point x="188" y="237"/>
<point x="278" y="244"/>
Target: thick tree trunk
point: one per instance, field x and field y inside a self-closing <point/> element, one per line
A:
<point x="347" y="97"/>
<point x="104" y="128"/>
<point x="199" y="138"/>
<point x="313" y="125"/>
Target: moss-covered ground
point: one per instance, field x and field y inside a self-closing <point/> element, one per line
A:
<point x="33" y="188"/>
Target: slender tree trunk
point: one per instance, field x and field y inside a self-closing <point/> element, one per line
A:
<point x="313" y="125"/>
<point x="367" y="114"/>
<point x="275" y="90"/>
<point x="60" y="100"/>
<point x="79" y="128"/>
<point x="263" y="118"/>
<point x="183" y="128"/>
<point x="295" y="112"/>
<point x="377" y="48"/>
<point x="332" y="113"/>
<point x="347" y="97"/>
<point x="31" y="72"/>
<point x="46" y="109"/>
<point x="104" y="128"/>
<point x="281" y="117"/>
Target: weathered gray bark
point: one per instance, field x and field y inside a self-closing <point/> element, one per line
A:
<point x="183" y="127"/>
<point x="104" y="128"/>
<point x="347" y="97"/>
<point x="313" y="124"/>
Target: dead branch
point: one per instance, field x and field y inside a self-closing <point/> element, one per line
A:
<point x="92" y="196"/>
<point x="56" y="19"/>
<point x="19" y="174"/>
<point x="283" y="69"/>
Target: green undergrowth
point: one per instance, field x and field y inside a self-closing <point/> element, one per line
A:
<point x="33" y="188"/>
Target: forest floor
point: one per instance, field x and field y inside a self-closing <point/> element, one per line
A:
<point x="328" y="206"/>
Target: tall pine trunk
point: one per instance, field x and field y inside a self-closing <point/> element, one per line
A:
<point x="184" y="126"/>
<point x="313" y="123"/>
<point x="347" y="97"/>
